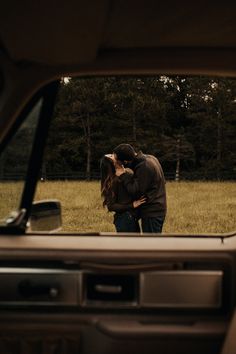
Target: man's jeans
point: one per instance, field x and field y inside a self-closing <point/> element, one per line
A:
<point x="153" y="225"/>
<point x="126" y="222"/>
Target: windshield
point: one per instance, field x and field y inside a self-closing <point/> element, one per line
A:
<point x="186" y="123"/>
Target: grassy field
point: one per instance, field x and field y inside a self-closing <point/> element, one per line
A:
<point x="193" y="207"/>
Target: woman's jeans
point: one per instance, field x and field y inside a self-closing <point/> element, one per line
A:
<point x="126" y="222"/>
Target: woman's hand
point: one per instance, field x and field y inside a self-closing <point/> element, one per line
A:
<point x="137" y="203"/>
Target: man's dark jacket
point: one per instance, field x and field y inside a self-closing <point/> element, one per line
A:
<point x="149" y="181"/>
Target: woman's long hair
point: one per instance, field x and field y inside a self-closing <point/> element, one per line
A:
<point x="108" y="175"/>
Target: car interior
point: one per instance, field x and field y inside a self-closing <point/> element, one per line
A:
<point x="93" y="292"/>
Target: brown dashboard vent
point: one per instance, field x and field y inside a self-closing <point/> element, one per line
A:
<point x="111" y="288"/>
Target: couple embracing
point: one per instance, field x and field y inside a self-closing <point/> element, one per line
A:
<point x="133" y="186"/>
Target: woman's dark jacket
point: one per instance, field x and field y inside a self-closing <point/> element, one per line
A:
<point x="119" y="200"/>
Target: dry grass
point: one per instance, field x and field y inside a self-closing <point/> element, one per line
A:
<point x="10" y="196"/>
<point x="193" y="207"/>
<point x="199" y="207"/>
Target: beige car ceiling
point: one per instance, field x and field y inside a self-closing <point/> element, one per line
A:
<point x="76" y="32"/>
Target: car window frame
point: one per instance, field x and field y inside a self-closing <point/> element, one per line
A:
<point x="48" y="95"/>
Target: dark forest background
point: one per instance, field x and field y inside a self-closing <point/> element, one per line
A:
<point x="189" y="123"/>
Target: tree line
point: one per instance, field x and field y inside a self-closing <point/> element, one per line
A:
<point x="189" y="123"/>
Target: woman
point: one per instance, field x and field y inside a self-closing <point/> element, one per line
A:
<point x="116" y="198"/>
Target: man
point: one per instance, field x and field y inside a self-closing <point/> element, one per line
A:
<point x="147" y="181"/>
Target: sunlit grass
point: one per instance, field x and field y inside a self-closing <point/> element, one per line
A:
<point x="193" y="207"/>
<point x="10" y="196"/>
<point x="199" y="207"/>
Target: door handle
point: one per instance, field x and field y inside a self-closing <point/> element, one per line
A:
<point x="134" y="328"/>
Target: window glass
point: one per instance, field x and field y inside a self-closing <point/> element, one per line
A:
<point x="14" y="163"/>
<point x="188" y="123"/>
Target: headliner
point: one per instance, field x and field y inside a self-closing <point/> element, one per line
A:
<point x="169" y="33"/>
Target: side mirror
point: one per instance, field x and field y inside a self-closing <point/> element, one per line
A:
<point x="45" y="216"/>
